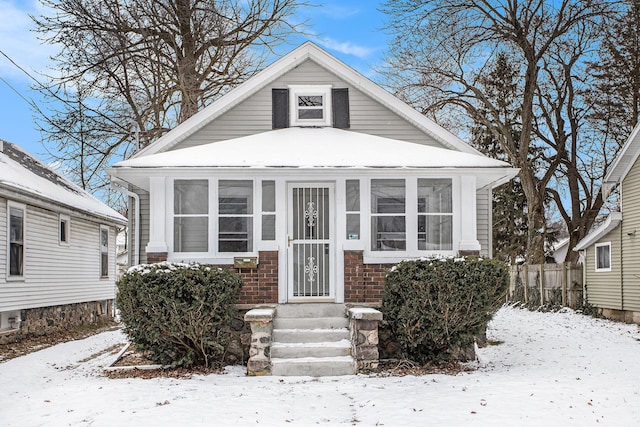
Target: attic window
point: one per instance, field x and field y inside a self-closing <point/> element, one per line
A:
<point x="310" y="105"/>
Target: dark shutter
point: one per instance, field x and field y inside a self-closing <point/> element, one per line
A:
<point x="280" y="108"/>
<point x="340" y="100"/>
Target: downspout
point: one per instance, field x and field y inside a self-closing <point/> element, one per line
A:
<point x="118" y="186"/>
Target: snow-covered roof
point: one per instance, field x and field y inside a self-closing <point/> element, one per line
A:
<point x="313" y="148"/>
<point x="288" y="62"/>
<point x="611" y="222"/>
<point x="623" y="162"/>
<point x="20" y="172"/>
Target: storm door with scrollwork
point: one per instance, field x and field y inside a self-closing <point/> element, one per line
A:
<point x="309" y="241"/>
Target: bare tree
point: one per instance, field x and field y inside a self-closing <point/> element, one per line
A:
<point x="443" y="48"/>
<point x="129" y="71"/>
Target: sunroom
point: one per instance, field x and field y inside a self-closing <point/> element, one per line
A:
<point x="328" y="209"/>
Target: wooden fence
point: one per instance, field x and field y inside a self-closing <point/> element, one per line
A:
<point x="546" y="284"/>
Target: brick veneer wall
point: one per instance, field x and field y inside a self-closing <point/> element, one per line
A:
<point x="260" y="284"/>
<point x="363" y="283"/>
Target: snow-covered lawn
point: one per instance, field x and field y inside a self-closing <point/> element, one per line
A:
<point x="551" y="369"/>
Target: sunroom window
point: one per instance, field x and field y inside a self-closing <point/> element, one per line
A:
<point x="435" y="214"/>
<point x="191" y="215"/>
<point x="235" y="210"/>
<point x="388" y="219"/>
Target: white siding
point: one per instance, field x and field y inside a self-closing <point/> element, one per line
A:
<point x="3" y="241"/>
<point x="57" y="274"/>
<point x="254" y="114"/>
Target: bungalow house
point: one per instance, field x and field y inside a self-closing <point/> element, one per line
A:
<point x="311" y="181"/>
<point x="611" y="252"/>
<point x="57" y="249"/>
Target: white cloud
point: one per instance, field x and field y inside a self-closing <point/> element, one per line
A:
<point x="18" y="42"/>
<point x="347" y="48"/>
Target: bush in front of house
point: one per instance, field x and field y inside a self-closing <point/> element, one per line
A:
<point x="435" y="307"/>
<point x="179" y="314"/>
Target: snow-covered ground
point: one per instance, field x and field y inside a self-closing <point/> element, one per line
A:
<point x="551" y="369"/>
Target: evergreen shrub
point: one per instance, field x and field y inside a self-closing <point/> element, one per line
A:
<point x="435" y="307"/>
<point x="179" y="314"/>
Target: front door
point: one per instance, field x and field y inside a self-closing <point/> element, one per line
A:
<point x="310" y="243"/>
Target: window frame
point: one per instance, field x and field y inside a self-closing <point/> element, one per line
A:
<point x="104" y="228"/>
<point x="310" y="90"/>
<point x="596" y="247"/>
<point x="373" y="216"/>
<point x="433" y="214"/>
<point x="66" y="220"/>
<point x="251" y="234"/>
<point x="174" y="215"/>
<point x="22" y="207"/>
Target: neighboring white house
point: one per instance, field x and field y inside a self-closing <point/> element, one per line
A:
<point x="57" y="249"/>
<point x="311" y="181"/>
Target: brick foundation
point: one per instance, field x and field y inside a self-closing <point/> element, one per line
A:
<point x="46" y="320"/>
<point x="363" y="283"/>
<point x="155" y="257"/>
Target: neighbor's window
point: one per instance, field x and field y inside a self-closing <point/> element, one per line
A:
<point x="65" y="223"/>
<point x="104" y="251"/>
<point x="268" y="210"/>
<point x="310" y="105"/>
<point x="435" y="214"/>
<point x="191" y="215"/>
<point x="603" y="256"/>
<point x="16" y="239"/>
<point x="353" y="208"/>
<point x="388" y="219"/>
<point x="235" y="210"/>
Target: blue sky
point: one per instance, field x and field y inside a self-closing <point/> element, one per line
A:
<point x="350" y="30"/>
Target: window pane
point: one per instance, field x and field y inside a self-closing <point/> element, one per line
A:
<point x="387" y="196"/>
<point x="235" y="234"/>
<point x="16" y="225"/>
<point x="104" y="265"/>
<point x="63" y="231"/>
<point x="435" y="195"/>
<point x="104" y="240"/>
<point x="16" y="265"/>
<point x="268" y="196"/>
<point x="435" y="232"/>
<point x="310" y="113"/>
<point x="388" y="233"/>
<point x="235" y="197"/>
<point x="603" y="256"/>
<point x="310" y="101"/>
<point x="191" y="196"/>
<point x="353" y="226"/>
<point x="190" y="234"/>
<point x="353" y="195"/>
<point x="268" y="227"/>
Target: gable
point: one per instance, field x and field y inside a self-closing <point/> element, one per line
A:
<point x="255" y="114"/>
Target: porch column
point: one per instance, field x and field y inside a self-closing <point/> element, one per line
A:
<point x="157" y="208"/>
<point x="469" y="244"/>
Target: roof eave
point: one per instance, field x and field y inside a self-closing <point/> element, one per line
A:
<point x="612" y="221"/>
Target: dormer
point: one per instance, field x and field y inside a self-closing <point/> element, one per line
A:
<point x="310" y="106"/>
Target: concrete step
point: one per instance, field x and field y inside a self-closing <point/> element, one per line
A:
<point x="320" y="349"/>
<point x="310" y="310"/>
<point x="310" y="323"/>
<point x="313" y="366"/>
<point x="309" y="335"/>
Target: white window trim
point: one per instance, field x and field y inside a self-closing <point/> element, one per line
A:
<point x="300" y="90"/>
<point x="212" y="256"/>
<point x="599" y="245"/>
<point x="108" y="275"/>
<point x="67" y="220"/>
<point x="22" y="207"/>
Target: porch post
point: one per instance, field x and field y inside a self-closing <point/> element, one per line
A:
<point x="469" y="244"/>
<point x="157" y="208"/>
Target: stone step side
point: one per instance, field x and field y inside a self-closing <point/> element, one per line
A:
<point x="314" y="366"/>
<point x="310" y="323"/>
<point x="310" y="310"/>
<point x="309" y="335"/>
<point x="319" y="349"/>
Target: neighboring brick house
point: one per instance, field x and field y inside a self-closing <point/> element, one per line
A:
<point x="611" y="252"/>
<point x="57" y="249"/>
<point x="311" y="180"/>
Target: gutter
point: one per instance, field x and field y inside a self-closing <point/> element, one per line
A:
<point x="120" y="186"/>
